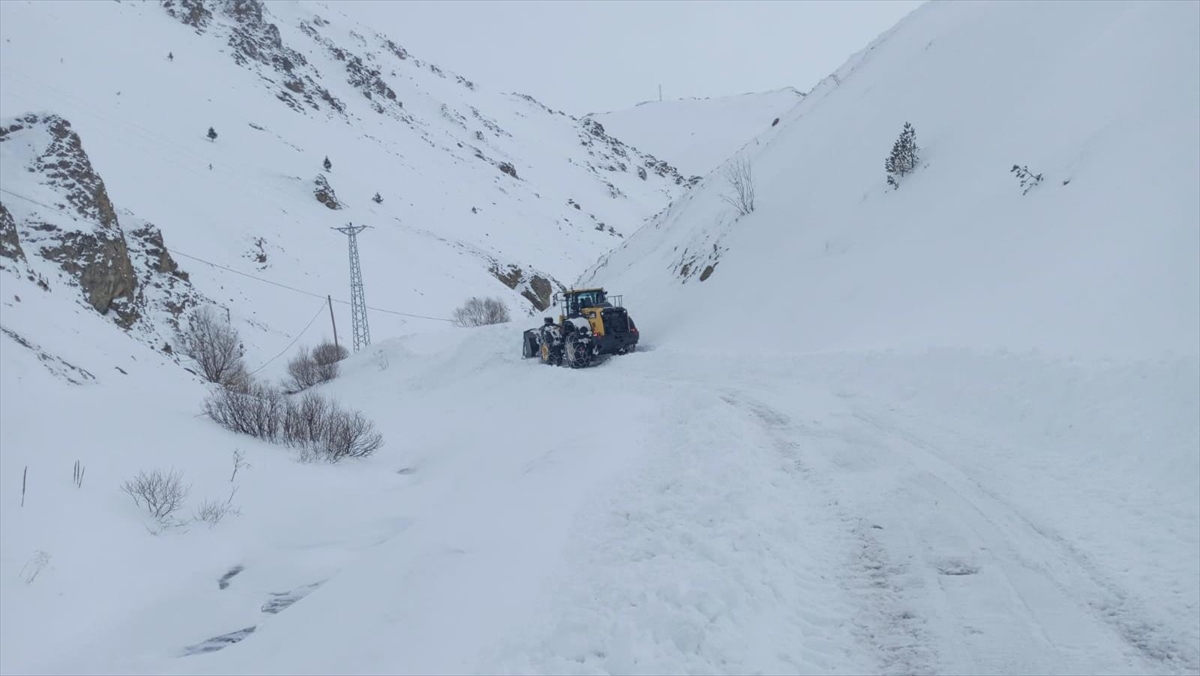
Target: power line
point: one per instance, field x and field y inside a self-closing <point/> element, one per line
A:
<point x="320" y="309"/>
<point x="229" y="269"/>
<point x="307" y="293"/>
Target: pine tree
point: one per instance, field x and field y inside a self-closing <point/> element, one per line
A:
<point x="212" y="134"/>
<point x="170" y="56"/>
<point x="904" y="156"/>
<point x="377" y="199"/>
<point x="328" y="164"/>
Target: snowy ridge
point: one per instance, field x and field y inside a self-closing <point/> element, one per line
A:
<point x="697" y="134"/>
<point x="503" y="181"/>
<point x="1096" y="259"/>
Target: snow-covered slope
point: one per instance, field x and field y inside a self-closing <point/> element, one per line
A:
<point x="479" y="190"/>
<point x="697" y="134"/>
<point x="1100" y="258"/>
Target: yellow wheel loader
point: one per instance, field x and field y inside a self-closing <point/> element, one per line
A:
<point x="590" y="324"/>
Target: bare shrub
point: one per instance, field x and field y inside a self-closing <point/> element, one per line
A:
<point x="160" y="494"/>
<point x="481" y="312"/>
<point x="318" y="427"/>
<point x="740" y="176"/>
<point x="215" y="347"/>
<point x="213" y="511"/>
<point x="327" y="354"/>
<point x="313" y="368"/>
<point x="324" y="431"/>
<point x="302" y="372"/>
<point x="257" y="409"/>
<point x="349" y="435"/>
<point x="304" y="421"/>
<point x="239" y="461"/>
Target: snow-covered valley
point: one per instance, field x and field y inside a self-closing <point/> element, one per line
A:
<point x="947" y="427"/>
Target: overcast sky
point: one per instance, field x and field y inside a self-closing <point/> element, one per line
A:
<point x="593" y="56"/>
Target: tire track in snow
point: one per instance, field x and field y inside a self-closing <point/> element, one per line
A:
<point x="713" y="557"/>
<point x="886" y="623"/>
<point x="1046" y="576"/>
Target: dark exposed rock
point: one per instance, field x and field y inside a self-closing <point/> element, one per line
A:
<point x="95" y="253"/>
<point x="542" y="292"/>
<point x="367" y="80"/>
<point x="118" y="273"/>
<point x="489" y="123"/>
<point x="101" y="265"/>
<point x="160" y="259"/>
<point x="509" y="169"/>
<point x="253" y="39"/>
<point x="535" y="287"/>
<point x="613" y="154"/>
<point x="68" y="168"/>
<point x="10" y="244"/>
<point x="363" y="77"/>
<point x="325" y="194"/>
<point x="396" y="49"/>
<point x="191" y="12"/>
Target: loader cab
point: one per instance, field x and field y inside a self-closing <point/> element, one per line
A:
<point x="573" y="303"/>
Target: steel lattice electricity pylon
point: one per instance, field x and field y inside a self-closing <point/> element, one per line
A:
<point x="358" y="300"/>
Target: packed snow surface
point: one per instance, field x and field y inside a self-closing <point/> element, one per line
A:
<point x="666" y="512"/>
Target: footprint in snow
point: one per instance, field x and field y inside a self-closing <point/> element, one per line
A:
<point x="223" y="583"/>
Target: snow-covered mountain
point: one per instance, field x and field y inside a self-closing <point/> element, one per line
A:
<point x="698" y="134"/>
<point x="950" y="427"/>
<point x="1097" y="258"/>
<point x="479" y="192"/>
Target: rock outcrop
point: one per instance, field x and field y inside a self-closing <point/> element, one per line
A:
<point x="66" y="218"/>
<point x="88" y="245"/>
<point x="535" y="287"/>
<point x="10" y="244"/>
<point x="325" y="194"/>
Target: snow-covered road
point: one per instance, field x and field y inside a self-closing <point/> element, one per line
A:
<point x="677" y="512"/>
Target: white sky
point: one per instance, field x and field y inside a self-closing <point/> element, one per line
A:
<point x="592" y="56"/>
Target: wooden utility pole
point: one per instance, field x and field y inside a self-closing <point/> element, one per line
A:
<point x="331" y="321"/>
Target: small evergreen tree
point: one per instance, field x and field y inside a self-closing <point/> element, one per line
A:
<point x="212" y="134"/>
<point x="377" y="199"/>
<point x="328" y="164"/>
<point x="903" y="159"/>
<point x="170" y="56"/>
